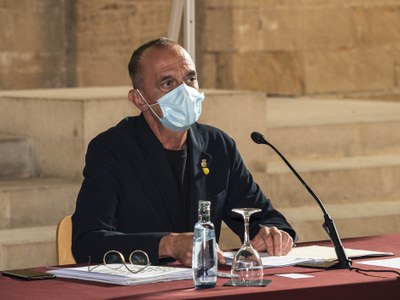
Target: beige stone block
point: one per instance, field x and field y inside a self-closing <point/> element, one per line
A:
<point x="378" y="24"/>
<point x="291" y="3"/>
<point x="307" y="128"/>
<point x="252" y="29"/>
<point x="61" y="122"/>
<point x="352" y="220"/>
<point x="27" y="247"/>
<point x="373" y="225"/>
<point x="335" y="181"/>
<point x="392" y="95"/>
<point x="379" y="137"/>
<point x="225" y="4"/>
<point x="32" y="26"/>
<point x="238" y="4"/>
<point x="316" y="111"/>
<point x="336" y="140"/>
<point x="49" y="200"/>
<point x="397" y="73"/>
<point x="21" y="70"/>
<point x="247" y="30"/>
<point x="207" y="70"/>
<point x="348" y="70"/>
<point x="276" y="72"/>
<point x="15" y="157"/>
<point x="110" y="25"/>
<point x="32" y="53"/>
<point x="238" y="113"/>
<point x="307" y="142"/>
<point x="284" y="73"/>
<point x="29" y="255"/>
<point x="226" y="71"/>
<point x="219" y="25"/>
<point x="304" y="28"/>
<point x="108" y="32"/>
<point x="5" y="210"/>
<point x="232" y="30"/>
<point x="101" y="69"/>
<point x="347" y="228"/>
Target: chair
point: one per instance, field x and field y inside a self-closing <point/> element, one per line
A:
<point x="64" y="241"/>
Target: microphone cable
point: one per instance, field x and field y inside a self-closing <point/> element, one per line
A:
<point x="361" y="270"/>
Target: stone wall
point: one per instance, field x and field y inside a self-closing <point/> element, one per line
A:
<point x="33" y="44"/>
<point x="107" y="32"/>
<point x="304" y="47"/>
<point x="283" y="47"/>
<point x="74" y="43"/>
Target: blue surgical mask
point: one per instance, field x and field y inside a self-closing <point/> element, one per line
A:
<point x="181" y="107"/>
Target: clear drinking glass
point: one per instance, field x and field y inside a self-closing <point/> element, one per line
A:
<point x="247" y="267"/>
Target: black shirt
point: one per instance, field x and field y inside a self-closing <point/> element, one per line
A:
<point x="177" y="159"/>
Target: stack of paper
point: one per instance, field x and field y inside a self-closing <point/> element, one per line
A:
<point x="328" y="253"/>
<point x="271" y="261"/>
<point x="307" y="254"/>
<point x="122" y="276"/>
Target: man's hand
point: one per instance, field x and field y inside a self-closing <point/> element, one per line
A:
<point x="180" y="247"/>
<point x="276" y="242"/>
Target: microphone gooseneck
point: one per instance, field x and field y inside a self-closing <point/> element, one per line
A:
<point x="343" y="261"/>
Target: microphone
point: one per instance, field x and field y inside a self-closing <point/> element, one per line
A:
<point x="343" y="262"/>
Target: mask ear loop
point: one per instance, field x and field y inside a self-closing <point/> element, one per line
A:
<point x="150" y="106"/>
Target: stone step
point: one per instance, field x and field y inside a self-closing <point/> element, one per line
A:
<point x="319" y="128"/>
<point x="36" y="201"/>
<point x="60" y="123"/>
<point x="15" y="157"/>
<point x="27" y="247"/>
<point x="351" y="219"/>
<point x="337" y="180"/>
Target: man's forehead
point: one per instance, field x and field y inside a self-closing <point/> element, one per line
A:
<point x="168" y="59"/>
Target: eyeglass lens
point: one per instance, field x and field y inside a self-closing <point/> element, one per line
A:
<point x="139" y="257"/>
<point x="115" y="260"/>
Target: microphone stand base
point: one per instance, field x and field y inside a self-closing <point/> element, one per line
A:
<point x="326" y="264"/>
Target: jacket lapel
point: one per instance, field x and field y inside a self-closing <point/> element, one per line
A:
<point x="198" y="178"/>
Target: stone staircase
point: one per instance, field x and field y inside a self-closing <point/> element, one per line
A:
<point x="30" y="207"/>
<point x="43" y="136"/>
<point x="348" y="152"/>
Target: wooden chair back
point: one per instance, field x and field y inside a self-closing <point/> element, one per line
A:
<point x="64" y="241"/>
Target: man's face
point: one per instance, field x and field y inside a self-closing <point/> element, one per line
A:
<point x="165" y="69"/>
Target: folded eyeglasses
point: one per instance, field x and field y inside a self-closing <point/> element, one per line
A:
<point x="114" y="260"/>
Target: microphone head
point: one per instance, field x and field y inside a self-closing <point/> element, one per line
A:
<point x="258" y="138"/>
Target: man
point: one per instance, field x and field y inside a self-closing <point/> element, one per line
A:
<point x="144" y="177"/>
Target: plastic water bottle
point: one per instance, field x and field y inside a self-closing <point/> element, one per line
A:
<point x="204" y="259"/>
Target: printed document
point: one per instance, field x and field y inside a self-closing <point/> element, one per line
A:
<point x="308" y="254"/>
<point x="122" y="276"/>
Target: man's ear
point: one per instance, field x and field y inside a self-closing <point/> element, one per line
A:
<point x="137" y="100"/>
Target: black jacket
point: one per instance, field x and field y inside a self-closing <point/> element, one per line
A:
<point x="129" y="196"/>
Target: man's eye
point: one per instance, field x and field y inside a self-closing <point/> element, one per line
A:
<point x="167" y="83"/>
<point x="192" y="79"/>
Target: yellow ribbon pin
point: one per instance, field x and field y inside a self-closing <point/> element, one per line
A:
<point x="203" y="164"/>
